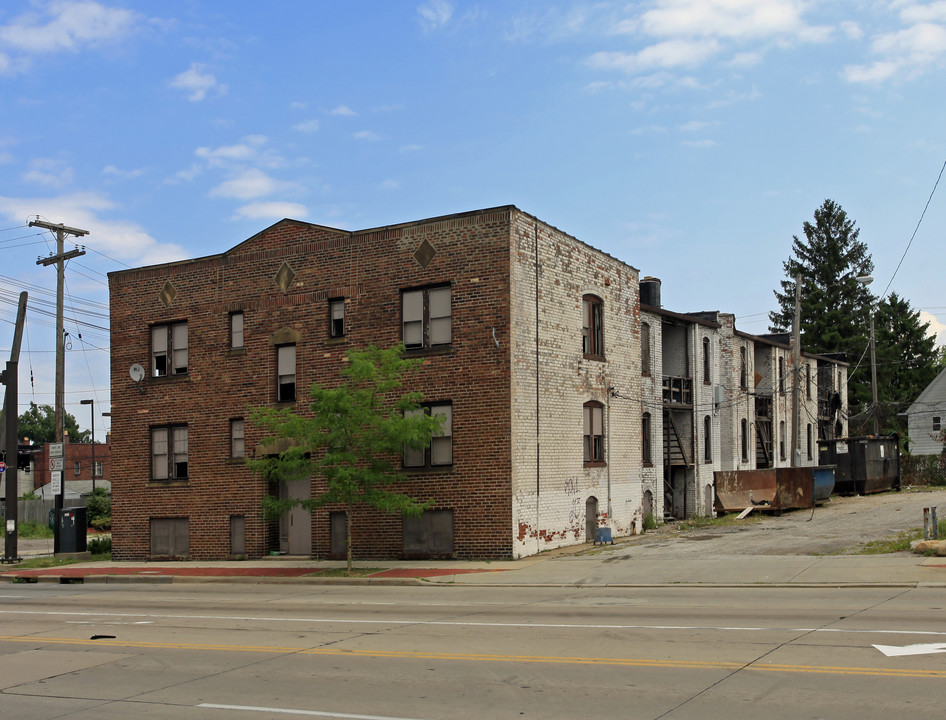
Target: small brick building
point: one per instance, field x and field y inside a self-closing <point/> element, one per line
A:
<point x="519" y="356"/>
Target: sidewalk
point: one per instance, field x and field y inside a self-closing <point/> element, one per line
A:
<point x="616" y="565"/>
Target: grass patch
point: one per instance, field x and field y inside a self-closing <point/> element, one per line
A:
<point x="343" y="572"/>
<point x="898" y="543"/>
<point x="33" y="531"/>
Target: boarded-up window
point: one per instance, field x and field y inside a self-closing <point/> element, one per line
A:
<point x="169" y="452"/>
<point x="426" y="317"/>
<point x="593" y="413"/>
<point x="236" y="330"/>
<point x="645" y="349"/>
<point x="237" y="443"/>
<point x="429" y="534"/>
<point x="170" y="537"/>
<point x="237" y="535"/>
<point x="439" y="452"/>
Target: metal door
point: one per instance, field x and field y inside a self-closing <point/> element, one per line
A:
<point x="295" y="526"/>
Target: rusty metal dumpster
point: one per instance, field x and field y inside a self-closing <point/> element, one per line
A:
<point x="774" y="489"/>
<point x="864" y="464"/>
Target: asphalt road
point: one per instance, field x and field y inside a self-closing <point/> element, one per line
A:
<point x="456" y="653"/>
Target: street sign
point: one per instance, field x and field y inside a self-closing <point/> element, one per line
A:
<point x="3" y="466"/>
<point x="55" y="449"/>
<point x="57" y="482"/>
<point x="57" y="463"/>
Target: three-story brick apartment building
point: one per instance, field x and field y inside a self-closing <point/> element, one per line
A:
<point x="530" y="338"/>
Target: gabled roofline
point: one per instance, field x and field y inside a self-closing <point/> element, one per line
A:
<point x="921" y="398"/>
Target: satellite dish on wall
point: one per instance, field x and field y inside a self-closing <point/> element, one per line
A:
<point x="137" y="374"/>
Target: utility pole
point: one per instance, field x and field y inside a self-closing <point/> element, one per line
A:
<point x="60" y="261"/>
<point x="796" y="368"/>
<point x="873" y="377"/>
<point x="10" y="436"/>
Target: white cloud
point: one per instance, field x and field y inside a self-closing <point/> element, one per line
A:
<point x="344" y="111"/>
<point x="669" y="54"/>
<point x="434" y="14"/>
<point x="912" y="12"/>
<point x="121" y="239"/>
<point x="745" y="59"/>
<point x="49" y="173"/>
<point x="937" y="329"/>
<point x="904" y="54"/>
<point x="249" y="184"/>
<point x="246" y="150"/>
<point x="197" y="83"/>
<point x="271" y="210"/>
<point x="699" y="143"/>
<point x="724" y="18"/>
<point x="367" y="135"/>
<point x="852" y="30"/>
<point x="698" y="126"/>
<point x="123" y="174"/>
<point x="60" y="26"/>
<point x="307" y="126"/>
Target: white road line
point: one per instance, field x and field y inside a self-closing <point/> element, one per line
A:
<point x="311" y="713"/>
<point x="456" y="623"/>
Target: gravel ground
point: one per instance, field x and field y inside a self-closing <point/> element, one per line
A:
<point x="839" y="526"/>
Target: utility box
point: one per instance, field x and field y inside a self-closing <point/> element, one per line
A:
<point x="72" y="530"/>
<point x="603" y="536"/>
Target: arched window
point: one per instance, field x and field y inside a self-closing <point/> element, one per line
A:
<point x="592" y="326"/>
<point x="706" y="361"/>
<point x="645" y="349"/>
<point x="646" y="430"/>
<point x="743" y="368"/>
<point x="744" y="439"/>
<point x="707" y="439"/>
<point x="593" y="433"/>
<point x="781" y="374"/>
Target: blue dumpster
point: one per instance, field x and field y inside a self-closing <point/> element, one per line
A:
<point x="603" y="535"/>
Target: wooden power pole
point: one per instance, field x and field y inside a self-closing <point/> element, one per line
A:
<point x="59" y="259"/>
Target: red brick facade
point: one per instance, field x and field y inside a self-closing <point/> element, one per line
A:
<point x="471" y="253"/>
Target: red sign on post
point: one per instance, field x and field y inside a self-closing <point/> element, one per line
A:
<point x="3" y="466"/>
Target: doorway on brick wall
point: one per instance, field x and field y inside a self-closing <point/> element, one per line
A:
<point x="338" y="535"/>
<point x="591" y="518"/>
<point x="295" y="525"/>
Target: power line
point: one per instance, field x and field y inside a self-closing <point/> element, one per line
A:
<point x="916" y="229"/>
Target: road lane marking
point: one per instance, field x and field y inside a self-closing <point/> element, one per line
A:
<point x="460" y="623"/>
<point x="475" y="657"/>
<point x="287" y="711"/>
<point x="900" y="650"/>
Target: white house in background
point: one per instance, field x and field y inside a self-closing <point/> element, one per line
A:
<point x="925" y="419"/>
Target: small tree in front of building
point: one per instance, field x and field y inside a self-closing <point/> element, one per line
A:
<point x="353" y="437"/>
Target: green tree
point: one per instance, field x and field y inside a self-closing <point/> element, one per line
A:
<point x="353" y="437"/>
<point x="906" y="358"/>
<point x="834" y="306"/>
<point x="38" y="423"/>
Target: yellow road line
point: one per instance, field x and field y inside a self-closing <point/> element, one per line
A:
<point x="473" y="657"/>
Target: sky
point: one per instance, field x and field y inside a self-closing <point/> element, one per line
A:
<point x="690" y="139"/>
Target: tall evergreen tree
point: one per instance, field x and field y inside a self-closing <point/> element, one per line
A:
<point x="906" y="357"/>
<point x="834" y="306"/>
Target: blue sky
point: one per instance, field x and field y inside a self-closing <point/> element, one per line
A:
<point x="689" y="138"/>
